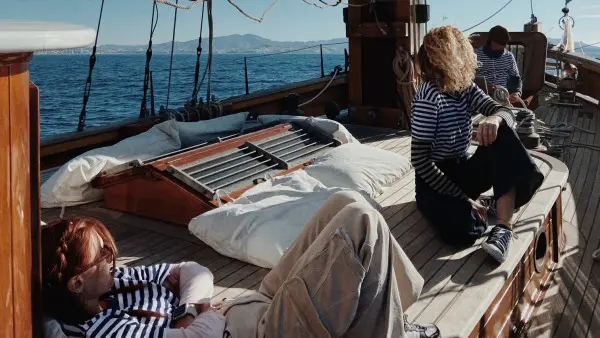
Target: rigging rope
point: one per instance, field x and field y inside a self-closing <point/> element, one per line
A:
<point x="489" y="17"/>
<point x="198" y="54"/>
<point x="88" y="84"/>
<point x="147" y="72"/>
<point x="405" y="84"/>
<point x="335" y="72"/>
<point x="172" y="49"/>
<point x="250" y="16"/>
<point x="209" y="13"/>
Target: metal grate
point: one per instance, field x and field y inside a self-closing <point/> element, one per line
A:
<point x="236" y="168"/>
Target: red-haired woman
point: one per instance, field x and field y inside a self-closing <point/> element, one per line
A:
<point x="344" y="276"/>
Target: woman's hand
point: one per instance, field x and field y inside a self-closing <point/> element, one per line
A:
<point x="514" y="97"/>
<point x="479" y="209"/>
<point x="187" y="320"/>
<point x="172" y="282"/>
<point x="488" y="130"/>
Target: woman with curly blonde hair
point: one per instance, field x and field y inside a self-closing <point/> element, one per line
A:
<point x="448" y="180"/>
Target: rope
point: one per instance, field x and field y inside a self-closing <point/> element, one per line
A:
<point x="334" y="74"/>
<point x="88" y="83"/>
<point x="250" y="16"/>
<point x="405" y="84"/>
<point x="489" y="17"/>
<point x="178" y="6"/>
<point x="172" y="49"/>
<point x="147" y="73"/>
<point x="198" y="54"/>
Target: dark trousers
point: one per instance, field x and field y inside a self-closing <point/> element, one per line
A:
<point x="503" y="165"/>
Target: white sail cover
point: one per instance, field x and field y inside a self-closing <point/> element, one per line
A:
<point x="567" y="41"/>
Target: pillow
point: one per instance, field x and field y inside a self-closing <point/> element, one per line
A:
<point x="260" y="225"/>
<point x="359" y="167"/>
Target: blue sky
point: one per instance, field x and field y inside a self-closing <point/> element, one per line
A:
<point x="128" y="21"/>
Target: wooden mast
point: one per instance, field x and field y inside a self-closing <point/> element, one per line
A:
<point x="374" y="31"/>
<point x="20" y="277"/>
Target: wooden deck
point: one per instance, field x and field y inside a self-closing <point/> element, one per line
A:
<point x="570" y="304"/>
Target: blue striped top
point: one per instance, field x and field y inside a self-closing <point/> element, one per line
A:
<point x="497" y="70"/>
<point x="442" y="127"/>
<point x="116" y="321"/>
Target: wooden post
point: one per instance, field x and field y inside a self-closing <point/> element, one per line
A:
<point x="15" y="197"/>
<point x="374" y="33"/>
<point x="20" y="268"/>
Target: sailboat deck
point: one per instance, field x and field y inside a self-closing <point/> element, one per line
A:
<point x="570" y="303"/>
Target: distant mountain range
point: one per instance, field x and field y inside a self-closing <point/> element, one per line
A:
<point x="253" y="44"/>
<point x="247" y="44"/>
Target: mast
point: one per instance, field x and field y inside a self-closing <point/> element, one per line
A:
<point x="375" y="29"/>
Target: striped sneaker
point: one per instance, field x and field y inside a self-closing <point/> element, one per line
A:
<point x="498" y="242"/>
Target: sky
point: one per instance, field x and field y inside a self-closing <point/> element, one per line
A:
<point x="128" y="21"/>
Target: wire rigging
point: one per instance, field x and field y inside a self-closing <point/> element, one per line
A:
<point x="147" y="72"/>
<point x="198" y="54"/>
<point x="88" y="83"/>
<point x="172" y="50"/>
<point x="489" y="17"/>
<point x="209" y="13"/>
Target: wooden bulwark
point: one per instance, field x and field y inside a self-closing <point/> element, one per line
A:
<point x="57" y="150"/>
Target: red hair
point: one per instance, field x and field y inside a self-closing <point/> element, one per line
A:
<point x="66" y="250"/>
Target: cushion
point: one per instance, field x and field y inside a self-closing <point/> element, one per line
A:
<point x="359" y="167"/>
<point x="260" y="226"/>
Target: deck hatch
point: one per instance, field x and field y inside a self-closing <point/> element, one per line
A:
<point x="232" y="169"/>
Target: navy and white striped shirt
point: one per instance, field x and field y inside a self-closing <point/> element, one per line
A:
<point x="442" y="129"/>
<point x="116" y="321"/>
<point x="497" y="70"/>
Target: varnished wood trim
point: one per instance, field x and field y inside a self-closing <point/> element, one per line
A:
<point x="14" y="59"/>
<point x="6" y="254"/>
<point x="36" y="260"/>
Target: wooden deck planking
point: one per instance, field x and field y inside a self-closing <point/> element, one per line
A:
<point x="571" y="302"/>
<point x="154" y="241"/>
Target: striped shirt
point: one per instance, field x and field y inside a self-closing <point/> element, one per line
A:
<point x="442" y="128"/>
<point x="116" y="321"/>
<point x="497" y="70"/>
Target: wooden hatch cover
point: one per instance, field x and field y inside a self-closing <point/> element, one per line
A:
<point x="178" y="186"/>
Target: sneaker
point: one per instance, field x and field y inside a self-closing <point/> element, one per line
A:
<point x="498" y="242"/>
<point x="420" y="331"/>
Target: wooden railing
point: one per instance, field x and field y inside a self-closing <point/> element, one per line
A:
<point x="588" y="79"/>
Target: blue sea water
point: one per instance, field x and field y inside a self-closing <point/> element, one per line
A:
<point x="117" y="82"/>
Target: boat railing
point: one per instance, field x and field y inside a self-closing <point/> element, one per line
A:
<point x="296" y="50"/>
<point x="588" y="71"/>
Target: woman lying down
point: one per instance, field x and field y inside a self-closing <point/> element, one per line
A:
<point x="345" y="275"/>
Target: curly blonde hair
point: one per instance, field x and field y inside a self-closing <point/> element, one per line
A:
<point x="447" y="58"/>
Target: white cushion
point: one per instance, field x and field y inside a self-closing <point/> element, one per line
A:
<point x="359" y="167"/>
<point x="260" y="226"/>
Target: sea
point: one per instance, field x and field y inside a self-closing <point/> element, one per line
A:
<point x="118" y="79"/>
<point x="118" y="82"/>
